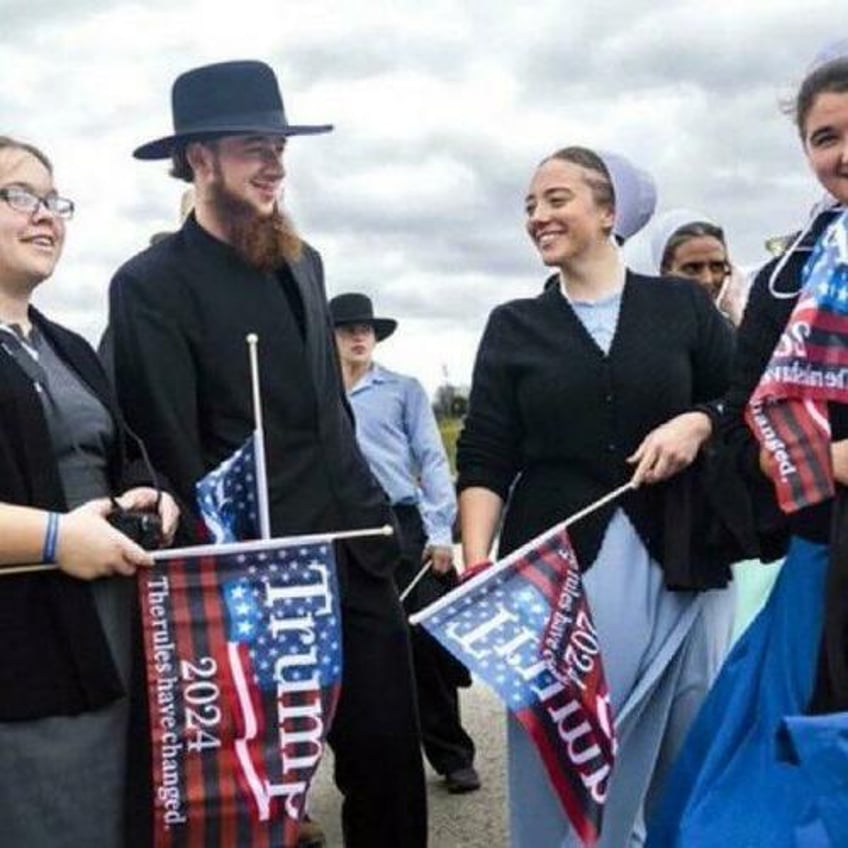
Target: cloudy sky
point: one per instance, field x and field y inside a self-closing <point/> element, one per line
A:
<point x="442" y="108"/>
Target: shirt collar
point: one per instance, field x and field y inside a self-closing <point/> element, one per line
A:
<point x="374" y="376"/>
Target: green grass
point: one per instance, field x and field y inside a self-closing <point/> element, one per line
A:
<point x="449" y="428"/>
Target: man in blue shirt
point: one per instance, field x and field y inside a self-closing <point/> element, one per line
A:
<point x="397" y="432"/>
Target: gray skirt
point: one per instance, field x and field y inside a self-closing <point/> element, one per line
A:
<point x="63" y="778"/>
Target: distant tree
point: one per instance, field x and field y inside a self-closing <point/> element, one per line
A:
<point x="444" y="401"/>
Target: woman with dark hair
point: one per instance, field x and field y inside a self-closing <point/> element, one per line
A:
<point x="688" y="244"/>
<point x="574" y="393"/>
<point x="763" y="765"/>
<point x="66" y="635"/>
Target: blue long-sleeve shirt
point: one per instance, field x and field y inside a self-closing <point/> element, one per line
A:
<point x="397" y="432"/>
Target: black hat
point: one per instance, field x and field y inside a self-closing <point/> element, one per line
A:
<point x="228" y="98"/>
<point x="355" y="308"/>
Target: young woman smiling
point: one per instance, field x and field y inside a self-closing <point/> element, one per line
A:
<point x="574" y="393"/>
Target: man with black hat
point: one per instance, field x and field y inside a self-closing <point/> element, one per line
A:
<point x="398" y="434"/>
<point x="179" y="314"/>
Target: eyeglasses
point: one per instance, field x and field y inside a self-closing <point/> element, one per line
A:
<point x="22" y="200"/>
<point x="695" y="269"/>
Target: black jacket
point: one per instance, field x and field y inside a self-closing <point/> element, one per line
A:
<point x="54" y="659"/>
<point x="552" y="419"/>
<point x="179" y="315"/>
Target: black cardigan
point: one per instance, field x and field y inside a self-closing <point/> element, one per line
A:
<point x="54" y="658"/>
<point x="552" y="419"/>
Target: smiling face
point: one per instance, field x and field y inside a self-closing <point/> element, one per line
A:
<point x="30" y="243"/>
<point x="247" y="169"/>
<point x="564" y="220"/>
<point x="825" y="134"/>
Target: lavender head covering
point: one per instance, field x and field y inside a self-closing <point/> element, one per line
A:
<point x="635" y="194"/>
<point x="667" y="225"/>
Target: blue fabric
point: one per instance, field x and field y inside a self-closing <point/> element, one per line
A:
<point x="732" y="785"/>
<point x="398" y="434"/>
<point x="599" y="317"/>
<point x="819" y="746"/>
<point x="661" y="651"/>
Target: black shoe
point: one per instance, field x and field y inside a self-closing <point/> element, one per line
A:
<point x="462" y="780"/>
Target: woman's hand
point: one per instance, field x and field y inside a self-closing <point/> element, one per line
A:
<point x="670" y="448"/>
<point x="144" y="498"/>
<point x="89" y="547"/>
<point x="839" y="457"/>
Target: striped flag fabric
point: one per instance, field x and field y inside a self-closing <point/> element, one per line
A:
<point x="524" y="627"/>
<point x="809" y="367"/>
<point x="244" y="663"/>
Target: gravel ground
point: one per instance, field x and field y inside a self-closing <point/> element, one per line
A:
<point x="475" y="820"/>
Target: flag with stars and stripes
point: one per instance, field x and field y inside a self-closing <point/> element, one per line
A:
<point x="524" y="627"/>
<point x="233" y="498"/>
<point x="809" y="367"/>
<point x="244" y="665"/>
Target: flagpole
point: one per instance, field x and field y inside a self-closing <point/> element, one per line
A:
<point x="262" y="507"/>
<point x="507" y="561"/>
<point x="416" y="580"/>
<point x="226" y="548"/>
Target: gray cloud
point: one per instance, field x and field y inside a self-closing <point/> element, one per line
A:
<point x="441" y="118"/>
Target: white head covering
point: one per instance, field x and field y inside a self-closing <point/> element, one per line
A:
<point x="635" y="194"/>
<point x="666" y="225"/>
<point x="829" y="53"/>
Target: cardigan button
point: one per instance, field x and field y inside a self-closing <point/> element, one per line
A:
<point x="611" y="447"/>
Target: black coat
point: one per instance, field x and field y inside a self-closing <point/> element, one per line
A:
<point x="179" y="315"/>
<point x="552" y="419"/>
<point x="54" y="659"/>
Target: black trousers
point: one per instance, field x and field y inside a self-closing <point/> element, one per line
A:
<point x="375" y="735"/>
<point x="437" y="674"/>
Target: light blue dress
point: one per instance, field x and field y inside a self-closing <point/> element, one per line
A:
<point x="661" y="652"/>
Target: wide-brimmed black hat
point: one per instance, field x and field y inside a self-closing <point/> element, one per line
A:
<point x="227" y="98"/>
<point x="355" y="308"/>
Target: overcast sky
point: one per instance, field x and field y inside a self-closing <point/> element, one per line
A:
<point x="441" y="109"/>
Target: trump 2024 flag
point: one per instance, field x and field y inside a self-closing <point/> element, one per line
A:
<point x="524" y="627"/>
<point x="809" y="367"/>
<point x="244" y="664"/>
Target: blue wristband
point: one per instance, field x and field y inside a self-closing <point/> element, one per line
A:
<point x="51" y="538"/>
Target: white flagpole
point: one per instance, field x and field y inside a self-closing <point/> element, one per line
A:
<point x="507" y="561"/>
<point x="416" y="580"/>
<point x="251" y="546"/>
<point x="259" y="442"/>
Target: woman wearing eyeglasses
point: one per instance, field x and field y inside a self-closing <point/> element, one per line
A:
<point x="66" y="635"/>
<point x="687" y="244"/>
